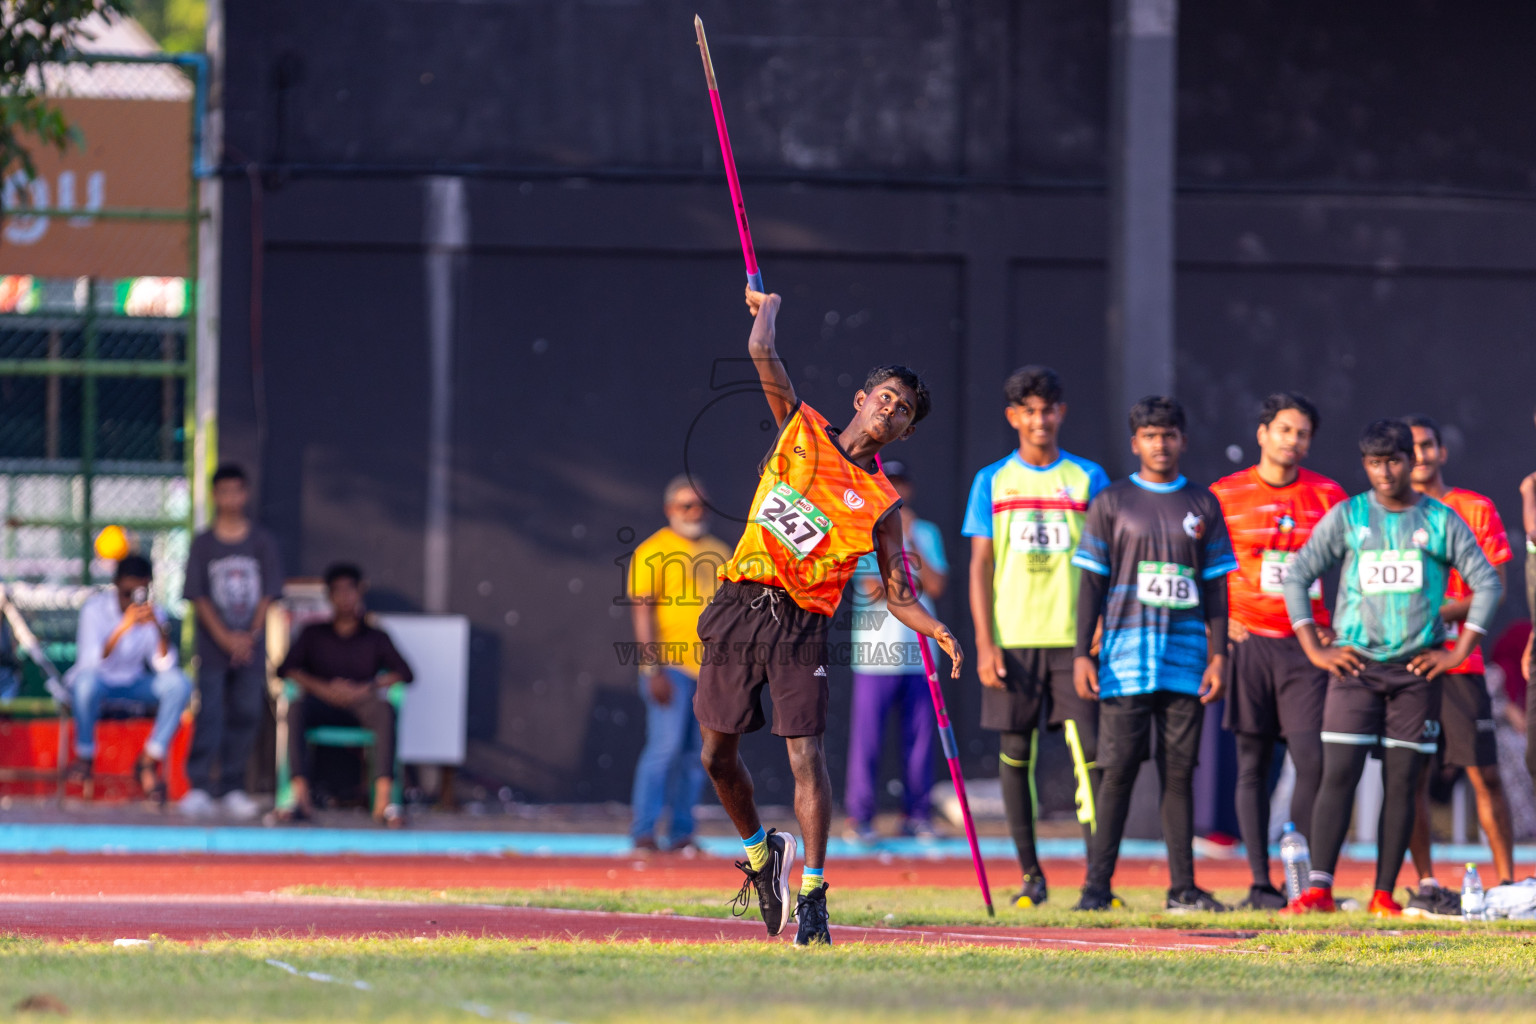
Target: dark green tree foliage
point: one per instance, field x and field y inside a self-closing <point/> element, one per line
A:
<point x="34" y="33"/>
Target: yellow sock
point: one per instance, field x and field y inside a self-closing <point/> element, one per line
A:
<point x="757" y="849"/>
<point x="811" y="878"/>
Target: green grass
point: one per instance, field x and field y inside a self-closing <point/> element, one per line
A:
<point x="918" y="905"/>
<point x="1445" y="979"/>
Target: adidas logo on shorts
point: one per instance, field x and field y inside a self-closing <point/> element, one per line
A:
<point x="821" y="670"/>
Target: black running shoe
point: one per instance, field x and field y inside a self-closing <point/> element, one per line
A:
<point x="771" y="882"/>
<point x="1098" y="899"/>
<point x="1193" y="899"/>
<point x="1434" y="902"/>
<point x="1032" y="894"/>
<point x="812" y="911"/>
<point x="1263" y="897"/>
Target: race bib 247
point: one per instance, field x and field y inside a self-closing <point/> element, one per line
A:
<point x="792" y="519"/>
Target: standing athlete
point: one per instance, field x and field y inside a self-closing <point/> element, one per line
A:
<point x="821" y="504"/>
<point x="1024" y="518"/>
<point x="1467" y="726"/>
<point x="1397" y="548"/>
<point x="1156" y="553"/>
<point x="1274" y="693"/>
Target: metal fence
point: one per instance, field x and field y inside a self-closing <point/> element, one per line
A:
<point x="97" y="303"/>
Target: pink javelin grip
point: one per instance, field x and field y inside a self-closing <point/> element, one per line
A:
<point x="754" y="275"/>
<point x="947" y="740"/>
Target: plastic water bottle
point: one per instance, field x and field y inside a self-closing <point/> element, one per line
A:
<point x="1297" y="859"/>
<point x="1472" y="901"/>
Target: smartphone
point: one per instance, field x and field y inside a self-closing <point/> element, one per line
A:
<point x="140" y="595"/>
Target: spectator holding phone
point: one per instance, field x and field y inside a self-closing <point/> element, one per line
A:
<point x="124" y="652"/>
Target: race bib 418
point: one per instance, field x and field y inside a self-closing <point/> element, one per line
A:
<point x="1166" y="585"/>
<point x="792" y="519"/>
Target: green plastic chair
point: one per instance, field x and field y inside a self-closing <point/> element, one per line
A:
<point x="338" y="736"/>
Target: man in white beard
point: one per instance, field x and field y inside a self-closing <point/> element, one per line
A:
<point x="671" y="580"/>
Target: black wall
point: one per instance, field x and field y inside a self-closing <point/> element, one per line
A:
<point x="1356" y="220"/>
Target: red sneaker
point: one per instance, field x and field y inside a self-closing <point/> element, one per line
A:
<point x="1383" y="905"/>
<point x="1317" y="899"/>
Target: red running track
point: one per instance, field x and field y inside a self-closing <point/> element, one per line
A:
<point x="202" y="918"/>
<point x="192" y="898"/>
<point x="223" y="875"/>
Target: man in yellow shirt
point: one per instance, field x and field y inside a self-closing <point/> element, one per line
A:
<point x="671" y="579"/>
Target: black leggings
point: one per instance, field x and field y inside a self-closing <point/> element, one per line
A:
<point x="1342" y="765"/>
<point x="1177" y="722"/>
<point x="1255" y="757"/>
<point x="1016" y="774"/>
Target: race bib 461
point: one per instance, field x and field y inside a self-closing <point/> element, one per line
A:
<point x="1166" y="585"/>
<point x="792" y="519"/>
<point x="1390" y="572"/>
<point x="1040" y="532"/>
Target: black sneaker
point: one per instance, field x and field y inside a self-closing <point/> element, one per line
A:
<point x="771" y="882"/>
<point x="1193" y="899"/>
<point x="1098" y="899"/>
<point x="1434" y="902"/>
<point x="1032" y="894"/>
<point x="1263" y="897"/>
<point x="812" y="911"/>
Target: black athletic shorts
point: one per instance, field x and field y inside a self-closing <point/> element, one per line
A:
<point x="1385" y="704"/>
<point x="1126" y="725"/>
<point x="756" y="636"/>
<point x="1272" y="689"/>
<point x="1039" y="682"/>
<point x="1466" y="720"/>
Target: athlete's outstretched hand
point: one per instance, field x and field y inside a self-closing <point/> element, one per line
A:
<point x="946" y="640"/>
<point x="1236" y="631"/>
<point x="1085" y="678"/>
<point x="1214" y="678"/>
<point x="1433" y="662"/>
<point x="992" y="668"/>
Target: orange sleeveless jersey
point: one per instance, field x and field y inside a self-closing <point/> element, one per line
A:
<point x="1480" y="514"/>
<point x="813" y="516"/>
<point x="1267" y="525"/>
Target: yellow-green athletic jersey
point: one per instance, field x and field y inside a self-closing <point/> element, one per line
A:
<point x="1034" y="515"/>
<point x="1395" y="567"/>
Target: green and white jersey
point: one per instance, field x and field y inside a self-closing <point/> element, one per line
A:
<point x="1034" y="515"/>
<point x="1395" y="568"/>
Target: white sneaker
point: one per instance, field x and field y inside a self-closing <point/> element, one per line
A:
<point x="240" y="807"/>
<point x="196" y="804"/>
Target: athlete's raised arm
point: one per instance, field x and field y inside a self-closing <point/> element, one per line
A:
<point x="770" y="368"/>
<point x="902" y="601"/>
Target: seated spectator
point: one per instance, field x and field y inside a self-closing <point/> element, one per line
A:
<point x="344" y="667"/>
<point x="124" y="652"/>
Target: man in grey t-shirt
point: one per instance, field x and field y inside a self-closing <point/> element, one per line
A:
<point x="233" y="575"/>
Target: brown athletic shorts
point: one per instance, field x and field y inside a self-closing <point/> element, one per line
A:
<point x="756" y="636"/>
<point x="1466" y="721"/>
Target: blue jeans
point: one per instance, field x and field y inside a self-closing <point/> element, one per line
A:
<point x="669" y="772"/>
<point x="170" y="691"/>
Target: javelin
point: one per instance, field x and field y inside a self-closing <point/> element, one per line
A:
<point x="947" y="740"/>
<point x="754" y="275"/>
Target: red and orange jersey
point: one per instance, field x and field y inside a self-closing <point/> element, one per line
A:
<point x="1480" y="514"/>
<point x="1268" y="525"/>
<point x="813" y="516"/>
